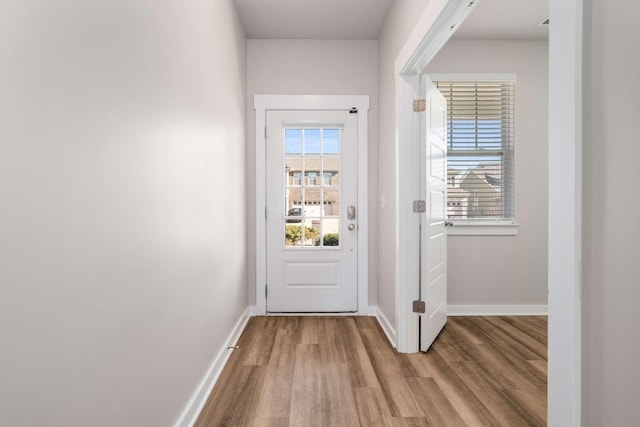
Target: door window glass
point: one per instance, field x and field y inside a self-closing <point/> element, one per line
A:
<point x="312" y="187"/>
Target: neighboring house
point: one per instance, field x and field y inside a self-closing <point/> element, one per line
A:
<point x="474" y="193"/>
<point x="320" y="180"/>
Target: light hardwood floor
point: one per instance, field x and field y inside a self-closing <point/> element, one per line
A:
<point x="341" y="371"/>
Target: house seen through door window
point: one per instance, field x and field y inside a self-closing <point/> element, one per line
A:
<point x="312" y="191"/>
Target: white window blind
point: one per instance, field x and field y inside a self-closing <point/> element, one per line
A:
<point x="480" y="158"/>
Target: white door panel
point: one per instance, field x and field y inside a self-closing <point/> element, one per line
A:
<point x="311" y="181"/>
<point x="433" y="264"/>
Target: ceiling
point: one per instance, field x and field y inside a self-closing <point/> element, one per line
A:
<point x="363" y="19"/>
<point x="506" y="19"/>
<point x="313" y="19"/>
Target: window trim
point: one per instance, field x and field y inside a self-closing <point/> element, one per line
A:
<point x="491" y="227"/>
<point x="484" y="227"/>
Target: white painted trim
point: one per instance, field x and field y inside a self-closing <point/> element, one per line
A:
<point x="408" y="189"/>
<point x="264" y="103"/>
<point x="483" y="230"/>
<point x="369" y="311"/>
<point x="386" y="327"/>
<point x="565" y="213"/>
<point x="428" y="36"/>
<point x="434" y="28"/>
<point x="480" y="77"/>
<point x="497" y="310"/>
<point x="202" y="392"/>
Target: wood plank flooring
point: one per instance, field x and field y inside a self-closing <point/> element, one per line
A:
<point x="341" y="371"/>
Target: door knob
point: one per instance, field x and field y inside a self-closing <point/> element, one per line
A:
<point x="351" y="227"/>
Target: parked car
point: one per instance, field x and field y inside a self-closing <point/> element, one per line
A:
<point x="294" y="212"/>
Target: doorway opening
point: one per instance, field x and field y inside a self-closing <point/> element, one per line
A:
<point x="311" y="179"/>
<point x="564" y="265"/>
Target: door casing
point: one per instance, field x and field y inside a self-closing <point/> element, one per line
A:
<point x="264" y="103"/>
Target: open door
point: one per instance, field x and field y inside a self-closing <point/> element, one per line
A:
<point x="433" y="240"/>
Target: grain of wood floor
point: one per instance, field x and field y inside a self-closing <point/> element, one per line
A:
<point x="341" y="371"/>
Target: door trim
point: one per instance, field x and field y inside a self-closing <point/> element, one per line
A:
<point x="264" y="103"/>
<point x="432" y="31"/>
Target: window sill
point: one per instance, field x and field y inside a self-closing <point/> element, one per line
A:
<point x="477" y="228"/>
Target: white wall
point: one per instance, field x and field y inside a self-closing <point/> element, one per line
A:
<point x="122" y="192"/>
<point x="492" y="270"/>
<point x="312" y="67"/>
<point x="611" y="272"/>
<point x="402" y="17"/>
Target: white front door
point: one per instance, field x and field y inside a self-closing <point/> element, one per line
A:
<point x="312" y="213"/>
<point x="433" y="263"/>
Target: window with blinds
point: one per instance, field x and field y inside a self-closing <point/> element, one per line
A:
<point x="480" y="171"/>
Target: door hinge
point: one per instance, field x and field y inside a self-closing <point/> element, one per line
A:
<point x="419" y="105"/>
<point x="419" y="206"/>
<point x="266" y="291"/>
<point x="265" y="132"/>
<point x="419" y="306"/>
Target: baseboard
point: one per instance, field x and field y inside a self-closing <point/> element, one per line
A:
<point x="370" y="310"/>
<point x="497" y="310"/>
<point x="199" y="398"/>
<point x="386" y="327"/>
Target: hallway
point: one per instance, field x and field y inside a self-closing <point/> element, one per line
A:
<point x="341" y="371"/>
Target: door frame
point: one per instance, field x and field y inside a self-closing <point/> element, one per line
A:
<point x="433" y="29"/>
<point x="264" y="103"/>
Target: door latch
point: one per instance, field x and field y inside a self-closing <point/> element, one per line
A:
<point x="419" y="307"/>
<point x="351" y="212"/>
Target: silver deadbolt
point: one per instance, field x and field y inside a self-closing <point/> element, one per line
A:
<point x="351" y="212"/>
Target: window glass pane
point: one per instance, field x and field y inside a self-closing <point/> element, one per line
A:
<point x="480" y="169"/>
<point x="297" y="178"/>
<point x="331" y="141"/>
<point x="331" y="170"/>
<point x="293" y="141"/>
<point x="312" y="168"/>
<point x="294" y="213"/>
<point x="312" y="202"/>
<point x="312" y="232"/>
<point x="293" y="170"/>
<point x="293" y="235"/>
<point x="330" y="232"/>
<point x="326" y="178"/>
<point x="331" y="202"/>
<point x="312" y="141"/>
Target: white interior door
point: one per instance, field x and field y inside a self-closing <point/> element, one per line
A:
<point x="311" y="213"/>
<point x="433" y="263"/>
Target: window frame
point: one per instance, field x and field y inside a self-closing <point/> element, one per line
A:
<point x="482" y="227"/>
